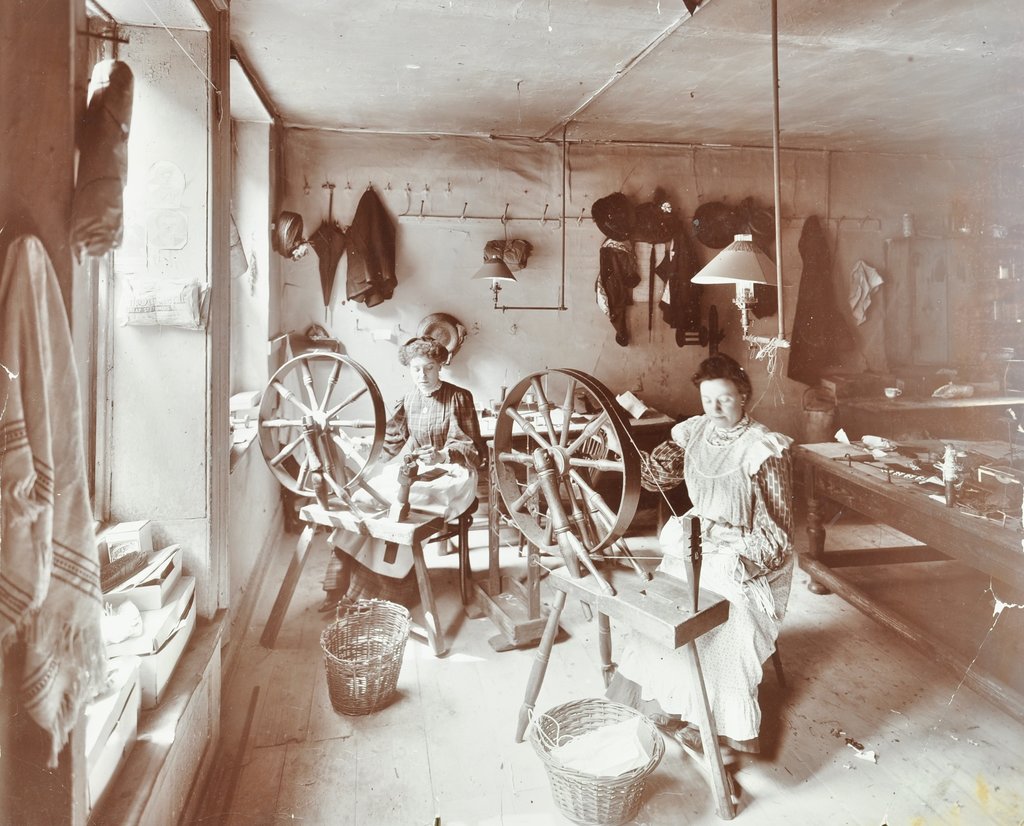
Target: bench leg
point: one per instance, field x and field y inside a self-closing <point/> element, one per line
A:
<point x="465" y="572"/>
<point x="604" y="644"/>
<point x="288" y="584"/>
<point x="435" y="635"/>
<point x="540" y="665"/>
<point x="709" y="739"/>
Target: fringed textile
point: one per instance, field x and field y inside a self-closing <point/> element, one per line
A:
<point x="50" y="596"/>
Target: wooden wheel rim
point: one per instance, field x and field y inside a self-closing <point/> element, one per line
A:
<point x="345" y="388"/>
<point x="594" y="533"/>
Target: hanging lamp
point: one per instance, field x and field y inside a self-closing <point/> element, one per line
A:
<point x="743" y="263"/>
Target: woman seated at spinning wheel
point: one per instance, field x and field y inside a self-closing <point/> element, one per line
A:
<point x="435" y="420"/>
<point x="738" y="476"/>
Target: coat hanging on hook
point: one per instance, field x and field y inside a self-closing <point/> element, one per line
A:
<point x="371" y="252"/>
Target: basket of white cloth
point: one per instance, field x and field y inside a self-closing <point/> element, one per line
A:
<point x="598" y="755"/>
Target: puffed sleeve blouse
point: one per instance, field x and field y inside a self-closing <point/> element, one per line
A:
<point x="740" y="477"/>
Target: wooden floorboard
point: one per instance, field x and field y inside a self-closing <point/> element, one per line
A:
<point x="444" y="747"/>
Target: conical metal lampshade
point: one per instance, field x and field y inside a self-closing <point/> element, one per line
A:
<point x="741" y="261"/>
<point x="495" y="269"/>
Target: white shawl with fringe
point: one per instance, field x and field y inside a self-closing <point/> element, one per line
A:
<point x="50" y="598"/>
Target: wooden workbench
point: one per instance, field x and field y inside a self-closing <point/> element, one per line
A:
<point x="947" y="533"/>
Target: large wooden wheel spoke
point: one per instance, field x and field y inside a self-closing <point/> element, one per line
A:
<point x="322" y="418"/>
<point x="570" y="481"/>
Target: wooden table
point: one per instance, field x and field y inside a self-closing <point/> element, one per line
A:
<point x="947" y="533"/>
<point x="413" y="531"/>
<point x="661" y="609"/>
<point x="514" y="605"/>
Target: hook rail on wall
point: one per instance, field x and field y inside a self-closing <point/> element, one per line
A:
<point x="543" y="220"/>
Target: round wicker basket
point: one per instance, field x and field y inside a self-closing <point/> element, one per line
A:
<point x="587" y="798"/>
<point x="363" y="650"/>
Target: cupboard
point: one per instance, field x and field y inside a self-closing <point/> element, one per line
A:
<point x="955" y="302"/>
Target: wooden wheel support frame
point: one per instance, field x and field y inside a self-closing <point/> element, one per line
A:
<point x="321" y="429"/>
<point x="321" y="425"/>
<point x="589" y="474"/>
<point x="570" y="483"/>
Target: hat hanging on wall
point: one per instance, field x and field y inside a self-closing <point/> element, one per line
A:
<point x="655" y="223"/>
<point x="514" y="253"/>
<point x="615" y="216"/>
<point x="444" y="329"/>
<point x="716" y="224"/>
<point x="288" y="238"/>
<point x="758" y="222"/>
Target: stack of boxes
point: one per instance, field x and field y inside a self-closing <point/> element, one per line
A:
<point x="157" y="603"/>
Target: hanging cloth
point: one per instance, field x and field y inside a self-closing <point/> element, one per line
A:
<point x="97" y="209"/>
<point x="371" y="252"/>
<point x="820" y="331"/>
<point x="616" y="278"/>
<point x="680" y="303"/>
<point x="328" y="242"/>
<point x="50" y="597"/>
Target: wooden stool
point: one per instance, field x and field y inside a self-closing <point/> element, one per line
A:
<point x="660" y="609"/>
<point x="414" y="530"/>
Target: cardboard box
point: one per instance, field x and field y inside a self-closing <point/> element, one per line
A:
<point x="155" y="670"/>
<point x="158" y="624"/>
<point x="125" y="537"/>
<point x="245" y="400"/>
<point x="111" y="727"/>
<point x="151" y="587"/>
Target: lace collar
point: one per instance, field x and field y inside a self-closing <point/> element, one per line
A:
<point x="718" y="437"/>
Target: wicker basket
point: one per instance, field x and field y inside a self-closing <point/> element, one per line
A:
<point x="587" y="798"/>
<point x="363" y="651"/>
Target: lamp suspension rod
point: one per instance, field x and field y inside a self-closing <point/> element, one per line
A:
<point x="565" y="150"/>
<point x="777" y="166"/>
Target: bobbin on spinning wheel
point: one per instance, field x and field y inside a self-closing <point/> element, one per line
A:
<point x="321" y="425"/>
<point x="575" y="485"/>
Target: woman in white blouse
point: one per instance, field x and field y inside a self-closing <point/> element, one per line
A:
<point x="738" y="476"/>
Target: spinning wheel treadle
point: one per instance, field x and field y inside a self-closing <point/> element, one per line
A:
<point x="321" y="424"/>
<point x="575" y="487"/>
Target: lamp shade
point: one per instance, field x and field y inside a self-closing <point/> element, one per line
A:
<point x="495" y="269"/>
<point x="740" y="262"/>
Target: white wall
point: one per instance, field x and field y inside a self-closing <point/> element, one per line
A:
<point x="158" y="387"/>
<point x="863" y="197"/>
<point x="254" y="494"/>
<point x="250" y="292"/>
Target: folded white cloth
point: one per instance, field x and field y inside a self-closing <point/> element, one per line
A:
<point x="864" y="281"/>
<point x="608" y="751"/>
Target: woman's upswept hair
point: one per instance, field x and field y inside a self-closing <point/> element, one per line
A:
<point x="721" y="366"/>
<point x="423" y="346"/>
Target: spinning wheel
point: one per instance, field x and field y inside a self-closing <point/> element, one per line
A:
<point x="321" y="425"/>
<point x="575" y="488"/>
